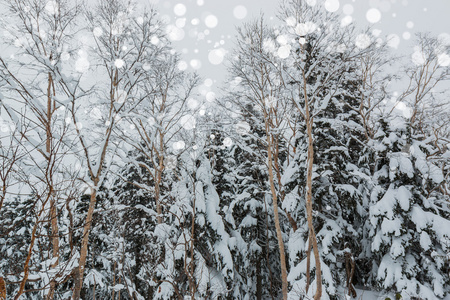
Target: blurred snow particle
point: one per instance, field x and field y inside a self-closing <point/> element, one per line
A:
<point x="195" y="64"/>
<point x="302" y="41"/>
<point x="393" y="41"/>
<point x="178" y="145"/>
<point x="373" y="15"/>
<point x="242" y="127"/>
<point x="208" y="82"/>
<point x="82" y="64"/>
<point x="179" y="9"/>
<point x="146" y="66"/>
<point x="291" y="21"/>
<point x="195" y="21"/>
<point x="192" y="103"/>
<point x="98" y="31"/>
<point x="140" y="20"/>
<point x="200" y="2"/>
<point x="305" y="28"/>
<point x="180" y="22"/>
<point x="65" y="56"/>
<point x="348" y="9"/>
<point x="240" y="12"/>
<point x="282" y="40"/>
<point x="210" y="96"/>
<point x="52" y="7"/>
<point x="406" y="35"/>
<point x="119" y="63"/>
<point x="170" y="162"/>
<point x="418" y="58"/>
<point x="227" y="142"/>
<point x="216" y="56"/>
<point x="154" y="40"/>
<point x="188" y="122"/>
<point x="410" y="24"/>
<point x="443" y="60"/>
<point x="174" y="33"/>
<point x="347" y="20"/>
<point x="284" y="51"/>
<point x="331" y="5"/>
<point x="444" y="39"/>
<point x="182" y="65"/>
<point x="311" y="2"/>
<point x="211" y="21"/>
<point x="362" y="41"/>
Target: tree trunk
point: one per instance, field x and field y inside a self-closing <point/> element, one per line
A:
<point x="284" y="283"/>
<point x="84" y="244"/>
<point x="312" y="234"/>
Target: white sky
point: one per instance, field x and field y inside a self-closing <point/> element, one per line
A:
<point x="220" y="17"/>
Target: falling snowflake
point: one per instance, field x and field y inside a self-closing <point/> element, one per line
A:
<point x="119" y="63"/>
<point x="216" y="56"/>
<point x="188" y="122"/>
<point x="179" y="9"/>
<point x="373" y="15"/>
<point x="418" y="58"/>
<point x="240" y="12"/>
<point x="211" y="21"/>
<point x="97" y="31"/>
<point x="331" y="5"/>
<point x="362" y="41"/>
<point x="227" y="142"/>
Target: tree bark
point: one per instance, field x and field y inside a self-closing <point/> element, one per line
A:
<point x="312" y="234"/>
<point x="84" y="244"/>
<point x="284" y="283"/>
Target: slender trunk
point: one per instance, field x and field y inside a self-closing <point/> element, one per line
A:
<point x="312" y="234"/>
<point x="53" y="208"/>
<point x="84" y="244"/>
<point x="284" y="283"/>
<point x="258" y="280"/>
<point x="26" y="267"/>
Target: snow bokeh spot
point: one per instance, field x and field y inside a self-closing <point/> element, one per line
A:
<point x="406" y="35"/>
<point x="210" y="96"/>
<point x="227" y="142"/>
<point x="82" y="63"/>
<point x="348" y="9"/>
<point x="240" y="12"/>
<point x="284" y="51"/>
<point x="174" y="33"/>
<point x="119" y="63"/>
<point x="373" y="15"/>
<point x="362" y="41"/>
<point x="444" y="60"/>
<point x="188" y="122"/>
<point x="178" y="145"/>
<point x="211" y="21"/>
<point x="311" y="2"/>
<point x="179" y="9"/>
<point x="393" y="40"/>
<point x="195" y="64"/>
<point x="331" y="5"/>
<point x="216" y="56"/>
<point x="418" y="58"/>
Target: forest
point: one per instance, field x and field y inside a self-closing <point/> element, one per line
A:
<point x="321" y="171"/>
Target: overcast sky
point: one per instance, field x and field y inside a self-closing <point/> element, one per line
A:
<point x="203" y="30"/>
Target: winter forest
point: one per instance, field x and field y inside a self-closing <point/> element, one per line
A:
<point x="308" y="177"/>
